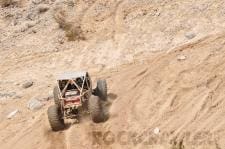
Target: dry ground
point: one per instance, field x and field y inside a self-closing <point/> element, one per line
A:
<point x="164" y="62"/>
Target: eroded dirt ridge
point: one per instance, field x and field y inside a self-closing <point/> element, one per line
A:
<point x="163" y="61"/>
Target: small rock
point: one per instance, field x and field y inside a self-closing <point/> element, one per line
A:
<point x="34" y="31"/>
<point x="157" y="13"/>
<point x="7" y="95"/>
<point x="43" y="8"/>
<point x="70" y="3"/>
<point x="30" y="24"/>
<point x="181" y="57"/>
<point x="156" y="130"/>
<point x="190" y="35"/>
<point x="12" y="114"/>
<point x="34" y="104"/>
<point x="31" y="16"/>
<point x="16" y="83"/>
<point x="61" y="40"/>
<point x="17" y="97"/>
<point x="23" y="28"/>
<point x="36" y="1"/>
<point x="14" y="23"/>
<point x="27" y="84"/>
<point x="48" y="97"/>
<point x="75" y="121"/>
<point x="56" y="50"/>
<point x="49" y="76"/>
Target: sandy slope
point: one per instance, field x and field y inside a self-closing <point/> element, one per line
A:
<point x="148" y="89"/>
<point x="178" y="97"/>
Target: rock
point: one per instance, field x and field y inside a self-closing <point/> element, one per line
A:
<point x="34" y="104"/>
<point x="12" y="114"/>
<point x="26" y="25"/>
<point x="181" y="58"/>
<point x="34" y="31"/>
<point x="48" y="97"/>
<point x="49" y="76"/>
<point x="190" y="35"/>
<point x="43" y="8"/>
<point x="61" y="39"/>
<point x="157" y="13"/>
<point x="14" y="23"/>
<point x="23" y="28"/>
<point x="6" y="3"/>
<point x="56" y="50"/>
<point x="31" y="16"/>
<point x="156" y="130"/>
<point x="17" y="97"/>
<point x="70" y="3"/>
<point x="36" y="1"/>
<point x="30" y="24"/>
<point x="5" y="96"/>
<point x="16" y="83"/>
<point x="27" y="84"/>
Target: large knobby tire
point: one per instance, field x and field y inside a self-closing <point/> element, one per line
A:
<point x="56" y="95"/>
<point x="101" y="89"/>
<point x="55" y="119"/>
<point x="95" y="109"/>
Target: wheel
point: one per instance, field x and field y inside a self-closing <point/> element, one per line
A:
<point x="101" y="89"/>
<point x="56" y="95"/>
<point x="55" y="118"/>
<point x="95" y="109"/>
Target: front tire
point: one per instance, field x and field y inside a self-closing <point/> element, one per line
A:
<point x="95" y="109"/>
<point x="101" y="89"/>
<point x="56" y="95"/>
<point x="55" y="118"/>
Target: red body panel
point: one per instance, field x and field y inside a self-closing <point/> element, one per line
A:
<point x="72" y="100"/>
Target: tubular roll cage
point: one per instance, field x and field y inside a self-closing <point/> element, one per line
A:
<point x="80" y="89"/>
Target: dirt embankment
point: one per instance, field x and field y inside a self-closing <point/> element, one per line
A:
<point x="163" y="61"/>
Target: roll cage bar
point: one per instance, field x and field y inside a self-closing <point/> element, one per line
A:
<point x="81" y="84"/>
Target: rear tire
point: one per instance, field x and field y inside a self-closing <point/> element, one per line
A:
<point x="101" y="89"/>
<point x="55" y="118"/>
<point x="56" y="95"/>
<point x="95" y="109"/>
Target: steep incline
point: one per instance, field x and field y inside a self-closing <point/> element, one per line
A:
<point x="182" y="97"/>
<point x="164" y="61"/>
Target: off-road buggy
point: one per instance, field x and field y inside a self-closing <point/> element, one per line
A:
<point x="73" y="95"/>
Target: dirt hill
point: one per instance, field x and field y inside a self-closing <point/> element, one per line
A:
<point x="163" y="61"/>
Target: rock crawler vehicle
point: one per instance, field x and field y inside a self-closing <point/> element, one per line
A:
<point x="74" y="94"/>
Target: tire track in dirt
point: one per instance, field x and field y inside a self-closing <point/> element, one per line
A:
<point x="191" y="93"/>
<point x="165" y="87"/>
<point x="80" y="134"/>
<point x="56" y="140"/>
